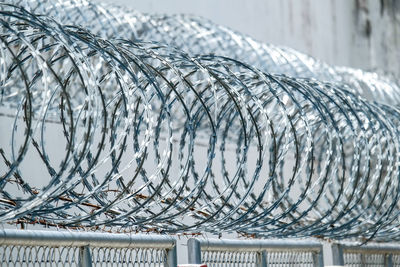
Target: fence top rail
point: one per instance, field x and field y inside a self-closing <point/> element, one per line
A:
<point x="371" y="248"/>
<point x="76" y="239"/>
<point x="258" y="245"/>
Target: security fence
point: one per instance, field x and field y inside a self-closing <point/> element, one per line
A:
<point x="374" y="255"/>
<point x="62" y="248"/>
<point x="257" y="253"/>
<point x="67" y="248"/>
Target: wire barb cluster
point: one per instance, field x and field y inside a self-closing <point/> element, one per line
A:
<point x="142" y="136"/>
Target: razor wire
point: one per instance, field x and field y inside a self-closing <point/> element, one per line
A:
<point x="144" y="137"/>
<point x="197" y="35"/>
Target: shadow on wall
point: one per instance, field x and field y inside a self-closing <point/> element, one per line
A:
<point x="359" y="33"/>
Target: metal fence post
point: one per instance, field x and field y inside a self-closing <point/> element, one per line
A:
<point x="389" y="260"/>
<point x="262" y="259"/>
<point x="363" y="260"/>
<point x="337" y="255"/>
<point x="85" y="259"/>
<point x="194" y="251"/>
<point x="318" y="258"/>
<point x="172" y="257"/>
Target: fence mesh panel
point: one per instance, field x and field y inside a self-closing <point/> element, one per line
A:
<point x="229" y="258"/>
<point x="290" y="258"/>
<point x="358" y="259"/>
<point x="38" y="256"/>
<point x="142" y="257"/>
<point x="238" y="259"/>
<point x="396" y="260"/>
<point x="13" y="255"/>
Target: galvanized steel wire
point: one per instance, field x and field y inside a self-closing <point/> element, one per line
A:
<point x="143" y="136"/>
<point x="196" y="35"/>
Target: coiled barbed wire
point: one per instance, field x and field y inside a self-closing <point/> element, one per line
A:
<point x="142" y="136"/>
<point x="196" y="35"/>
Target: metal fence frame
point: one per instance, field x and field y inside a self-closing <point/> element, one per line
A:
<point x="262" y="247"/>
<point x="84" y="240"/>
<point x="338" y="251"/>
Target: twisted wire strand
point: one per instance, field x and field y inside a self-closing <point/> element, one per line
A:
<point x="160" y="140"/>
<point x="196" y="35"/>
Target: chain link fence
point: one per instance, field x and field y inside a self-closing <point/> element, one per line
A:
<point x="63" y="248"/>
<point x="12" y="255"/>
<point x="229" y="258"/>
<point x="257" y="253"/>
<point x="371" y="255"/>
<point x="59" y="248"/>
<point x="129" y="257"/>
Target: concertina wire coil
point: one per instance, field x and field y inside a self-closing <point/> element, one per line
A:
<point x="143" y="136"/>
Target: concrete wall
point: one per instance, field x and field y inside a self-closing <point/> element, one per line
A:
<point x="357" y="33"/>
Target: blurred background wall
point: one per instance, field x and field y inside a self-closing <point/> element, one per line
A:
<point x="357" y="33"/>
